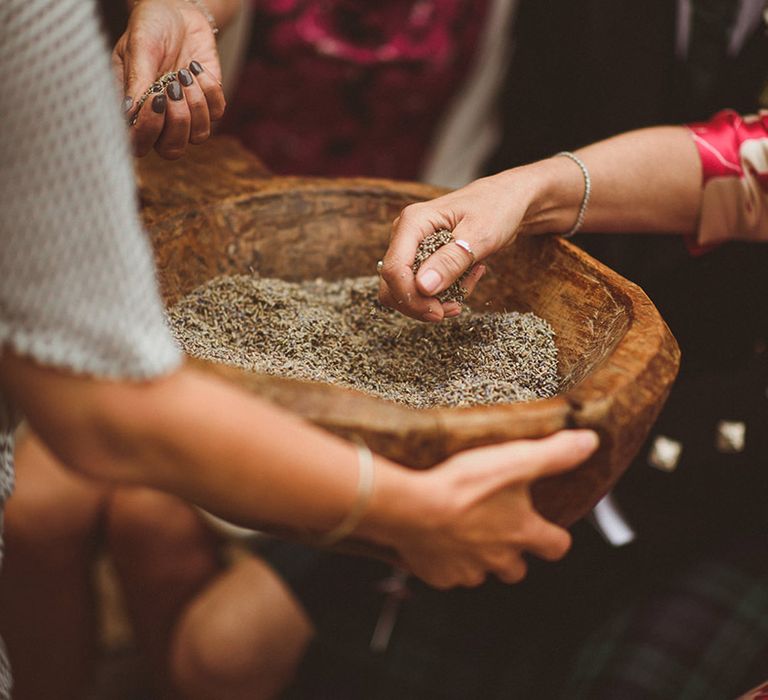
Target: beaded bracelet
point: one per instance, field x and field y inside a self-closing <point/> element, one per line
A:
<point x="587" y="191"/>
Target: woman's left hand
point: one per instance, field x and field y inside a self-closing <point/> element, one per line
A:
<point x="163" y="36"/>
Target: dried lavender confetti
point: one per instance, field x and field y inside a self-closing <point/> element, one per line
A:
<point x="429" y="245"/>
<point x="336" y="332"/>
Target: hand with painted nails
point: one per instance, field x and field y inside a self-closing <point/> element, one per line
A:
<point x="164" y="36"/>
<point x="484" y="217"/>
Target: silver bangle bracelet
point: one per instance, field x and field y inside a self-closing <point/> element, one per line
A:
<point x="365" y="482"/>
<point x="587" y="191"/>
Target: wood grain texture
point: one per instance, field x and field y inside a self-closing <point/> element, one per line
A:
<point x="221" y="213"/>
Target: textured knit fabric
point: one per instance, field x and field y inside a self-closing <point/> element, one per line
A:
<point x="77" y="288"/>
<point x="76" y="278"/>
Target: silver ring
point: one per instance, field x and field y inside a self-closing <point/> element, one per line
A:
<point x="379" y="266"/>
<point x="466" y="247"/>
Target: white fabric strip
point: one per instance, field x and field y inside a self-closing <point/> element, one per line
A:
<point x="611" y="524"/>
<point x="470" y="129"/>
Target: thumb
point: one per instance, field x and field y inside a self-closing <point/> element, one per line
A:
<point x="142" y="64"/>
<point x="449" y="262"/>
<point x="118" y="68"/>
<point x="525" y="461"/>
<point x="560" y="452"/>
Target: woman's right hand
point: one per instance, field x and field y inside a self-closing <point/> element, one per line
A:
<point x="474" y="514"/>
<point x="488" y="214"/>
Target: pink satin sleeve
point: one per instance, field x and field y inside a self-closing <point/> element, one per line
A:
<point x="734" y="158"/>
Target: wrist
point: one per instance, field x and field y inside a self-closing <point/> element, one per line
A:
<point x="553" y="190"/>
<point x="217" y="13"/>
<point x="203" y="7"/>
<point x="220" y="12"/>
<point x="395" y="506"/>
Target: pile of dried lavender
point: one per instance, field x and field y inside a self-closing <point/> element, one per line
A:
<point x="429" y="245"/>
<point x="336" y="332"/>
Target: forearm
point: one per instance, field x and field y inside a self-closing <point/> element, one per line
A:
<point x="249" y="461"/>
<point x="647" y="180"/>
<point x="200" y="438"/>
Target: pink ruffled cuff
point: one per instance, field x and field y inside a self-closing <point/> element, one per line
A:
<point x="734" y="158"/>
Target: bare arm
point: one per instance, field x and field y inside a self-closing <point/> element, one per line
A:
<point x="197" y="437"/>
<point x="249" y="462"/>
<point x="647" y="180"/>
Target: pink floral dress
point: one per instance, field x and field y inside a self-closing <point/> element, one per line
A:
<point x="348" y="87"/>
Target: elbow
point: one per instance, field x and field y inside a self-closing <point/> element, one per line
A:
<point x="106" y="430"/>
<point x="96" y="440"/>
<point x="113" y="435"/>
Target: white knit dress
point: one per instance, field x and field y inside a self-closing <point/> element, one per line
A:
<point x="77" y="285"/>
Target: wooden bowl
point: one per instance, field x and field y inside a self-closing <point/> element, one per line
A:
<point x="221" y="213"/>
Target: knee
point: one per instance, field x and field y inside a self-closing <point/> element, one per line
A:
<point x="53" y="517"/>
<point x="234" y="651"/>
<point x="211" y="658"/>
<point x="159" y="543"/>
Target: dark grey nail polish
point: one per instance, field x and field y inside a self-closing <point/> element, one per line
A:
<point x="185" y="77"/>
<point x="195" y="67"/>
<point x="158" y="104"/>
<point x="127" y="103"/>
<point x="174" y="91"/>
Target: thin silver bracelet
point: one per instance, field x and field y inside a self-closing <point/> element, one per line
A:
<point x="200" y="5"/>
<point x="587" y="191"/>
<point x="365" y="482"/>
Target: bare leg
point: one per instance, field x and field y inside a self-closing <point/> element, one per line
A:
<point x="164" y="554"/>
<point x="242" y="639"/>
<point x="47" y="611"/>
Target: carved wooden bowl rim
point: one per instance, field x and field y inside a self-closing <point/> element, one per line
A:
<point x="645" y="348"/>
<point x="644" y="320"/>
